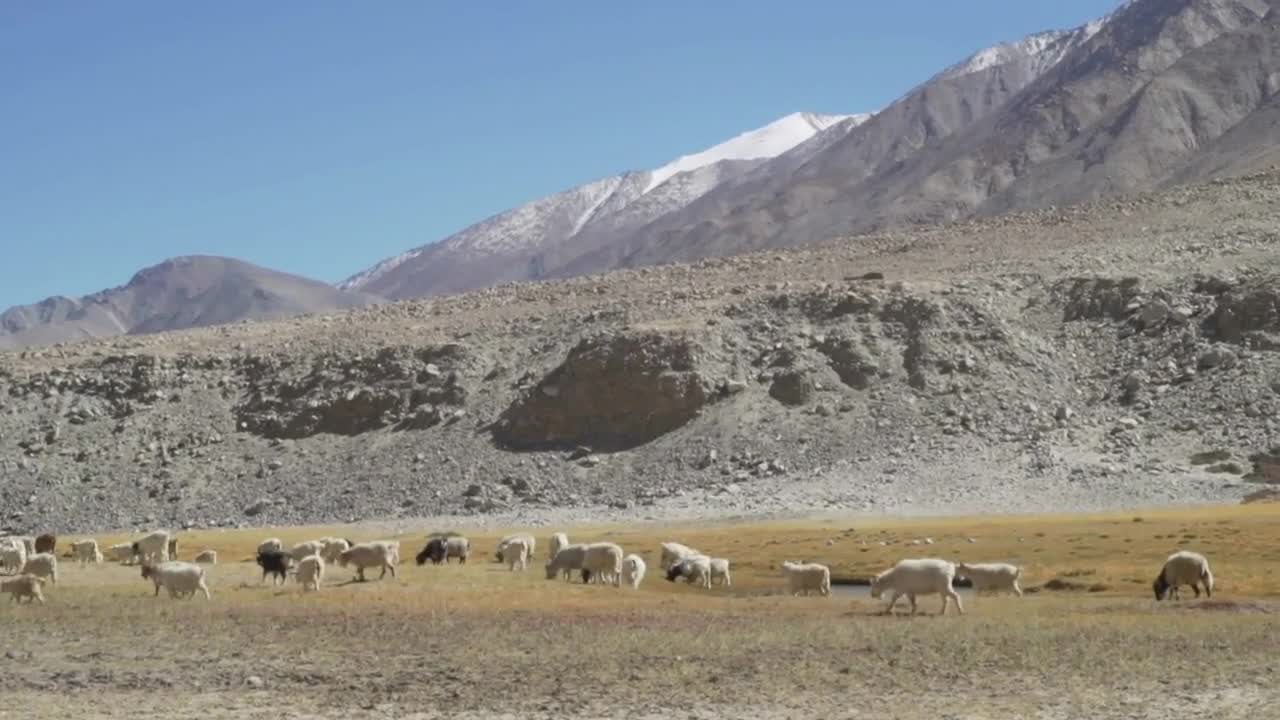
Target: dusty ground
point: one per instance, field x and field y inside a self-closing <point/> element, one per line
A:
<point x="477" y="641"/>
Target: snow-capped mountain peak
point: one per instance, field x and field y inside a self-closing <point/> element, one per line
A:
<point x="1044" y="48"/>
<point x="769" y="141"/>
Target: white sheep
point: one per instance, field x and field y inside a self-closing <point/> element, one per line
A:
<point x="558" y="540"/>
<point x="1183" y="568"/>
<point x="383" y="554"/>
<point x="13" y="555"/>
<point x="516" y="553"/>
<point x="305" y="549"/>
<point x="526" y="538"/>
<point x="270" y="545"/>
<point x="23" y="586"/>
<point x="121" y="552"/>
<point x="310" y="572"/>
<point x="633" y="570"/>
<point x="922" y="576"/>
<point x="180" y="578"/>
<point x="153" y="548"/>
<point x="720" y="571"/>
<point x="207" y="557"/>
<point x="86" y="551"/>
<point x="604" y="561"/>
<point x="991" y="576"/>
<point x="44" y="565"/>
<point x="457" y="546"/>
<point x="333" y="547"/>
<point x="568" y="559"/>
<point x="674" y="552"/>
<point x="807" y="577"/>
<point x="28" y="543"/>
<point x="694" y="568"/>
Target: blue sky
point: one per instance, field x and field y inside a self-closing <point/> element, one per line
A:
<point x="320" y="137"/>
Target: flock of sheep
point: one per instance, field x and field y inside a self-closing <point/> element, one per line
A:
<point x="32" y="561"/>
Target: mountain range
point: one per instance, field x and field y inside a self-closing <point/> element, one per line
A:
<point x="1156" y="93"/>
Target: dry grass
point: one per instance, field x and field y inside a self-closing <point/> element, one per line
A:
<point x="480" y="638"/>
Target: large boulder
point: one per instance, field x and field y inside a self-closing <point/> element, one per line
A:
<point x="612" y="392"/>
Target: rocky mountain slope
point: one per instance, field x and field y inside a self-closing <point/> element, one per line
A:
<point x="1122" y="353"/>
<point x="1135" y="101"/>
<point x="530" y="241"/>
<point x="1157" y="93"/>
<point x="185" y="292"/>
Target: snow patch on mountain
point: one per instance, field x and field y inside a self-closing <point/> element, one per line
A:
<point x="769" y="141"/>
<point x="1045" y="49"/>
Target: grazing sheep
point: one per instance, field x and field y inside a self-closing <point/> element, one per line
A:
<point x="924" y="576"/>
<point x="13" y="555"/>
<point x="275" y="562"/>
<point x="558" y="540"/>
<point x="633" y="570"/>
<point x="435" y="551"/>
<point x="28" y="543"/>
<point x="305" y="549"/>
<point x="43" y="565"/>
<point x="720" y="569"/>
<point x="604" y="561"/>
<point x="528" y="541"/>
<point x="46" y="543"/>
<point x="570" y="558"/>
<point x="86" y="551"/>
<point x="516" y="552"/>
<point x="23" y="586"/>
<point x="271" y="545"/>
<point x="374" y="554"/>
<point x="310" y="572"/>
<point x="1183" y="568"/>
<point x="121" y="552"/>
<point x="696" y="568"/>
<point x="673" y="552"/>
<point x="806" y="577"/>
<point x="153" y="548"/>
<point x="207" y="557"/>
<point x="457" y="547"/>
<point x="333" y="547"/>
<point x="181" y="579"/>
<point x="991" y="576"/>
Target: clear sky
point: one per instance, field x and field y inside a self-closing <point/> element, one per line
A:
<point x="319" y="137"/>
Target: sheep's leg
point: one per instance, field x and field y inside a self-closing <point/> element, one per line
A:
<point x="1196" y="587"/>
<point x="893" y="600"/>
<point x="952" y="594"/>
<point x="912" y="598"/>
<point x="1017" y="589"/>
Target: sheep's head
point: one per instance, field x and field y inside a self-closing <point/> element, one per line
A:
<point x="1160" y="587"/>
<point x="147" y="571"/>
<point x="675" y="571"/>
<point x="877" y="585"/>
<point x="551" y="570"/>
<point x="344" y="558"/>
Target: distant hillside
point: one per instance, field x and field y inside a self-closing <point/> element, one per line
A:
<point x="183" y="292"/>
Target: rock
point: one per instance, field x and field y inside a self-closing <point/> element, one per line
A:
<point x="732" y="387"/>
<point x="1125" y="424"/>
<point x="258" y="507"/>
<point x="1154" y="314"/>
<point x="473" y="490"/>
<point x="614" y="392"/>
<point x="254" y="682"/>
<point x="791" y="387"/>
<point x="1215" y="357"/>
<point x="1132" y="385"/>
<point x="1063" y="413"/>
